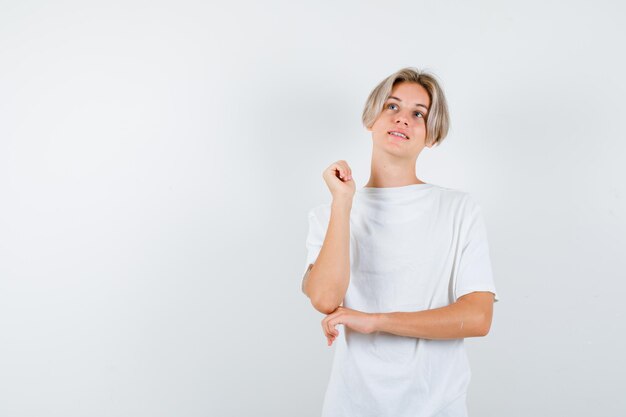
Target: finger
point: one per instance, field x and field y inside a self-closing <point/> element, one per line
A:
<point x="331" y="327"/>
<point x="332" y="323"/>
<point x="328" y="329"/>
<point x="328" y="335"/>
<point x="326" y="323"/>
<point x="325" y="328"/>
<point x="346" y="171"/>
<point x="336" y="167"/>
<point x="330" y="338"/>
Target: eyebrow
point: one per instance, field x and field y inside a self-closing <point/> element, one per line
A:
<point x="416" y="104"/>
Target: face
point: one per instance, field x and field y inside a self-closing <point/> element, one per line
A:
<point x="405" y="111"/>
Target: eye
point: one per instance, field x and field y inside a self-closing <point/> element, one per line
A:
<point x="417" y="113"/>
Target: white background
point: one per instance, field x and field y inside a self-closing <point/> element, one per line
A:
<point x="158" y="159"/>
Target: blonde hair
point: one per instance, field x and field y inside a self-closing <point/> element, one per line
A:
<point x="437" y="119"/>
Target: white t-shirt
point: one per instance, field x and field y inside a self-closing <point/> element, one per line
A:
<point x="414" y="247"/>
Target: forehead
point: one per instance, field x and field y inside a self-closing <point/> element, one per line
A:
<point x="411" y="93"/>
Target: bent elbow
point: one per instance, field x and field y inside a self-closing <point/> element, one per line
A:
<point x="324" y="306"/>
<point x="485" y="328"/>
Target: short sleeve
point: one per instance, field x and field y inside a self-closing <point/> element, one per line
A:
<point x="474" y="267"/>
<point x="315" y="238"/>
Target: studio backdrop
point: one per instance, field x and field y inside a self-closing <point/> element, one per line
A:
<point x="158" y="161"/>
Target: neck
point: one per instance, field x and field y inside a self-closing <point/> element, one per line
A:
<point x="391" y="171"/>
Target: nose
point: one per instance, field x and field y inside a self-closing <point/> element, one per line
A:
<point x="400" y="118"/>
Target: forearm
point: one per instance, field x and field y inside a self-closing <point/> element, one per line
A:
<point x="329" y="278"/>
<point x="455" y="321"/>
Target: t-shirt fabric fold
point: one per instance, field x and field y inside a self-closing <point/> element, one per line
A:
<point x="414" y="247"/>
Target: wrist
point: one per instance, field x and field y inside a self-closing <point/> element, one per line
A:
<point x="342" y="203"/>
<point x="378" y="320"/>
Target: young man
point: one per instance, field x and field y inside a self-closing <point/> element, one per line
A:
<point x="409" y="261"/>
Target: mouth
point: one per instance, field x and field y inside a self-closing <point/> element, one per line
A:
<point x="397" y="134"/>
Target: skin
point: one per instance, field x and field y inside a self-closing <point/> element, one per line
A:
<point x="393" y="161"/>
<point x="327" y="282"/>
<point x="393" y="165"/>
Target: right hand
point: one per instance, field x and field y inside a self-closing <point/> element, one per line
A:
<point x="338" y="177"/>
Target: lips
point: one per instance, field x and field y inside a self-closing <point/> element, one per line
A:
<point x="399" y="131"/>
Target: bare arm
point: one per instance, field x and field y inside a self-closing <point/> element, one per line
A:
<point x="327" y="281"/>
<point x="470" y="316"/>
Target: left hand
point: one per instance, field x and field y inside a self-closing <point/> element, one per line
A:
<point x="354" y="319"/>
